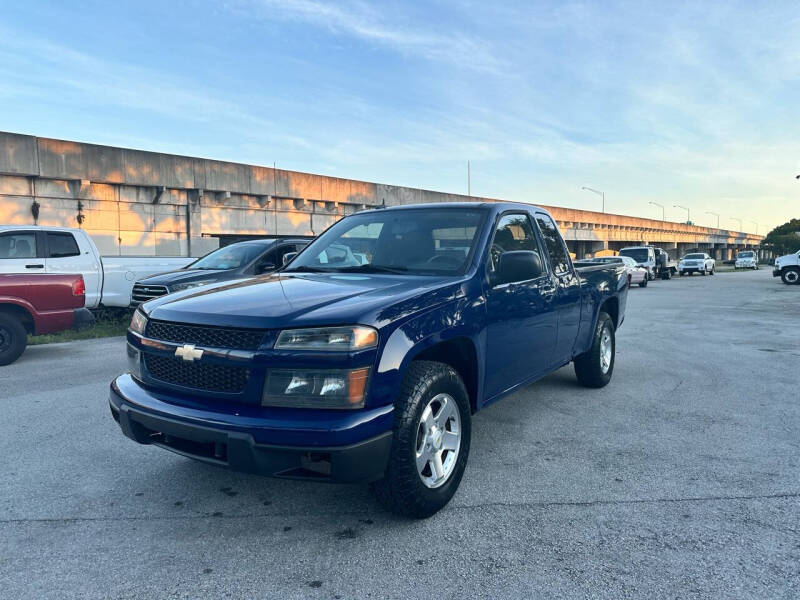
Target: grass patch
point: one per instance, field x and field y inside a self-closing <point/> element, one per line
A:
<point x="108" y="323"/>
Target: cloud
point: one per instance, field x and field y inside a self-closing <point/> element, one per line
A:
<point x="364" y="22"/>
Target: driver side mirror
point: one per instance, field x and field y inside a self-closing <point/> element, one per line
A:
<point x="518" y="265"/>
<point x="288" y="257"/>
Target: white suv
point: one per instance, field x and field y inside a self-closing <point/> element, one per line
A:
<point x="746" y="259"/>
<point x="697" y="262"/>
<point x="788" y="268"/>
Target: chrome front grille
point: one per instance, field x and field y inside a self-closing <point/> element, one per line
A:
<point x="143" y="293"/>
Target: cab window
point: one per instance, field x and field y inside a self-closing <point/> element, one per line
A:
<point x="61" y="245"/>
<point x="554" y="244"/>
<point x="18" y="245"/>
<point x="514" y="232"/>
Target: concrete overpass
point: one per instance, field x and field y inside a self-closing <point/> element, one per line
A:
<point x="136" y="202"/>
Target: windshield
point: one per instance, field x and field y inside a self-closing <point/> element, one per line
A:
<point x="693" y="257"/>
<point x="229" y="257"/>
<point x="745" y="255"/>
<point x="638" y="254"/>
<point x="416" y="241"/>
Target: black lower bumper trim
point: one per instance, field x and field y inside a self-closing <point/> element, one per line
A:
<point x="82" y="318"/>
<point x="360" y="462"/>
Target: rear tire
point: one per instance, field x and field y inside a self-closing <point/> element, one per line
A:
<point x="595" y="367"/>
<point x="13" y="339"/>
<point x="791" y="276"/>
<point x="643" y="282"/>
<point x="430" y="391"/>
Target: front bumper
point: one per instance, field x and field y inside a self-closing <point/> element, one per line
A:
<point x="776" y="272"/>
<point x="236" y="444"/>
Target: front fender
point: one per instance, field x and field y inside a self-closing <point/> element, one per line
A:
<point x="459" y="318"/>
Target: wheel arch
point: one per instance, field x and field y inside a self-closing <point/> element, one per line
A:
<point x="22" y="313"/>
<point x="458" y="352"/>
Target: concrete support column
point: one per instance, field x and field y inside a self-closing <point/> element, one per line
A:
<point x="594" y="247"/>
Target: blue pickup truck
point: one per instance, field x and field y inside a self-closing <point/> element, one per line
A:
<point x="364" y="358"/>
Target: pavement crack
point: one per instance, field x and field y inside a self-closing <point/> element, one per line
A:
<point x="558" y="503"/>
<point x="480" y="505"/>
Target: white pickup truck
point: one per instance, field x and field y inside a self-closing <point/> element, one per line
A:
<point x="788" y="268"/>
<point x="109" y="279"/>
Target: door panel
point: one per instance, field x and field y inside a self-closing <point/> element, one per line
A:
<point x="521" y="321"/>
<point x="568" y="289"/>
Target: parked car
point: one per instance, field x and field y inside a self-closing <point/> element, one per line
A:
<point x="645" y="256"/>
<point x="787" y="267"/>
<point x="38" y="304"/>
<point x="109" y="279"/>
<point x="746" y="259"/>
<point x="665" y="266"/>
<point x="636" y="274"/>
<point x="242" y="259"/>
<point x="370" y="372"/>
<point x="696" y="262"/>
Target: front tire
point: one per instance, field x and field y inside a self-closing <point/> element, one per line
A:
<point x="13" y="339"/>
<point x="430" y="446"/>
<point x="791" y="276"/>
<point x="594" y="367"/>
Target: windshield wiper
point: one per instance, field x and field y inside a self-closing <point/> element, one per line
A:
<point x="373" y="269"/>
<point x="305" y="269"/>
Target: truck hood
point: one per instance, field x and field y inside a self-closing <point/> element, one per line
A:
<point x="307" y="299"/>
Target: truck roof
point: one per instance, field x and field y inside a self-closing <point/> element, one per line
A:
<point x="40" y="228"/>
<point x="498" y="206"/>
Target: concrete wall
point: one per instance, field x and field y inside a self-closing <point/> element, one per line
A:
<point x="148" y="203"/>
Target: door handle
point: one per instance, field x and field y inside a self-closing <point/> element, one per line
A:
<point x="547" y="291"/>
<point x="34" y="266"/>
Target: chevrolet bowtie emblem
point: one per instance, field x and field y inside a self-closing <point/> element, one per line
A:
<point x="188" y="352"/>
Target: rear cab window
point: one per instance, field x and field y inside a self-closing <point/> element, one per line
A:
<point x="556" y="250"/>
<point x="61" y="244"/>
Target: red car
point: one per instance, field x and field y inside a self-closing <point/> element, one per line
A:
<point x="37" y="304"/>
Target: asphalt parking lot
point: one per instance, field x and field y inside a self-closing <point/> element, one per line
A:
<point x="679" y="479"/>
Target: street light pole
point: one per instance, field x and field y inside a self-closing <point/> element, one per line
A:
<point x="663" y="212"/>
<point x="708" y="212"/>
<point x="756" y="224"/>
<point x="602" y="194"/>
<point x="737" y="219"/>
<point x="688" y="214"/>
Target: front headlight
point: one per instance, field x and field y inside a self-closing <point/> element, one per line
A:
<point x="315" y="388"/>
<point x="328" y="339"/>
<point x="178" y="287"/>
<point x="138" y="322"/>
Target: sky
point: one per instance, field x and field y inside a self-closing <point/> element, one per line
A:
<point x="694" y="104"/>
